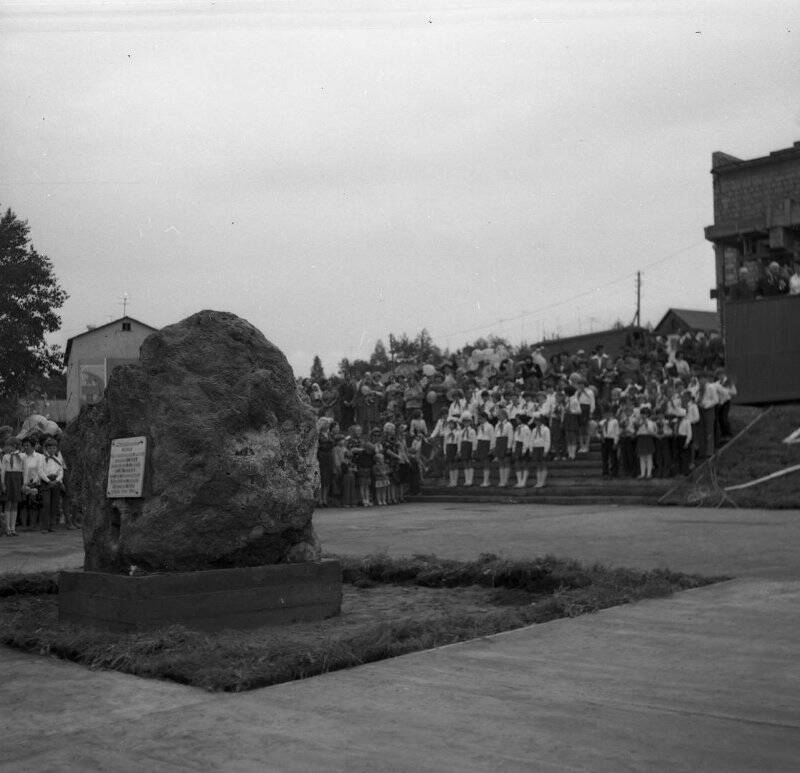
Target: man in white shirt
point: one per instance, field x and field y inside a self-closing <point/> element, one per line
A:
<point x="32" y="476"/>
<point x="726" y="390"/>
<point x="707" y="402"/>
<point x="599" y="361"/>
<point x="681" y="365"/>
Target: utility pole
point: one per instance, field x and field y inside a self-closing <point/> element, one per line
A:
<point x="637" y="320"/>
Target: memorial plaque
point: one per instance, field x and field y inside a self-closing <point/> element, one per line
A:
<point x="126" y="467"/>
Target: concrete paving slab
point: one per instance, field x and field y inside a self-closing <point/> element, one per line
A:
<point x="758" y="543"/>
<point x="707" y="680"/>
<point x="742" y="543"/>
<point x="32" y="551"/>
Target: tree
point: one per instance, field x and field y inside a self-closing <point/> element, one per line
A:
<point x="427" y="350"/>
<point x="353" y="370"/>
<point x="30" y="298"/>
<point x="317" y="373"/>
<point x="495" y="341"/>
<point x="379" y="359"/>
<point x="402" y="348"/>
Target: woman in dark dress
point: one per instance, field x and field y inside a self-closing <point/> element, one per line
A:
<point x="363" y="456"/>
<point x="325" y="445"/>
<point x="347" y="396"/>
<point x="12" y="466"/>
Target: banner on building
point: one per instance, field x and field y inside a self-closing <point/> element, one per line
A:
<point x="93" y="382"/>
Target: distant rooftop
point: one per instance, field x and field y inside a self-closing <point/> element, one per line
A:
<point x="695" y="319"/>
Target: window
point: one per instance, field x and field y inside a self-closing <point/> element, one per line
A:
<point x="126" y="327"/>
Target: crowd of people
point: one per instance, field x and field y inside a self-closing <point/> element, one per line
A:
<point x="766" y="281"/>
<point x="32" y="485"/>
<point x="654" y="410"/>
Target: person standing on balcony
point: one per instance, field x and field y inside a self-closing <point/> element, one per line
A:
<point x="772" y="283"/>
<point x="794" y="279"/>
<point x="744" y="289"/>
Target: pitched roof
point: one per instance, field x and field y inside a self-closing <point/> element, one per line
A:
<point x="126" y="318"/>
<point x="694" y="319"/>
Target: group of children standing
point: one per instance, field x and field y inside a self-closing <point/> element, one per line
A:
<point x="523" y="442"/>
<point x="654" y="445"/>
<point x="379" y="468"/>
<point x="31" y="484"/>
<point x="642" y="435"/>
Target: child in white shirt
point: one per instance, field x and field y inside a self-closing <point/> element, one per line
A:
<point x="540" y="448"/>
<point x="522" y="443"/>
<point x="51" y="476"/>
<point x="503" y="445"/>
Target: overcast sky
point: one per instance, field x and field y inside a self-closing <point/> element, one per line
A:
<point x="333" y="172"/>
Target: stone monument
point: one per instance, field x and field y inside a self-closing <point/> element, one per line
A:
<point x="195" y="474"/>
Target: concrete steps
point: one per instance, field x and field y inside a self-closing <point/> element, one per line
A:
<point x="540" y="497"/>
<point x="574" y="482"/>
<point x="557" y="491"/>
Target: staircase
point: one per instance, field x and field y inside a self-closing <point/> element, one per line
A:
<point x="568" y="483"/>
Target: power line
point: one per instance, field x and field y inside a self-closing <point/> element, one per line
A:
<point x="556" y="304"/>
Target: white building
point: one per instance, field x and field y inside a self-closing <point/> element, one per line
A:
<point x="91" y="356"/>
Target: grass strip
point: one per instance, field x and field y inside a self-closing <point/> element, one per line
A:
<point x="32" y="584"/>
<point x="537" y="576"/>
<point x="526" y="592"/>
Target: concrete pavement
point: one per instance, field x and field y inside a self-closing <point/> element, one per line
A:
<point x="32" y="551"/>
<point x="706" y="680"/>
<point x="712" y="541"/>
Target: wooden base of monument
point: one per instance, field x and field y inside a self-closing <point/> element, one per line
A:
<point x="207" y="600"/>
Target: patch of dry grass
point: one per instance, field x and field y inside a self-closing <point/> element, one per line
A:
<point x="392" y="606"/>
<point x="756" y="454"/>
<point x="32" y="584"/>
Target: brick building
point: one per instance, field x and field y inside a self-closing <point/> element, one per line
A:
<point x="756" y="213"/>
<point x="757" y="222"/>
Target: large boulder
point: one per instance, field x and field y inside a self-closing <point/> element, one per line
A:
<point x="229" y="479"/>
